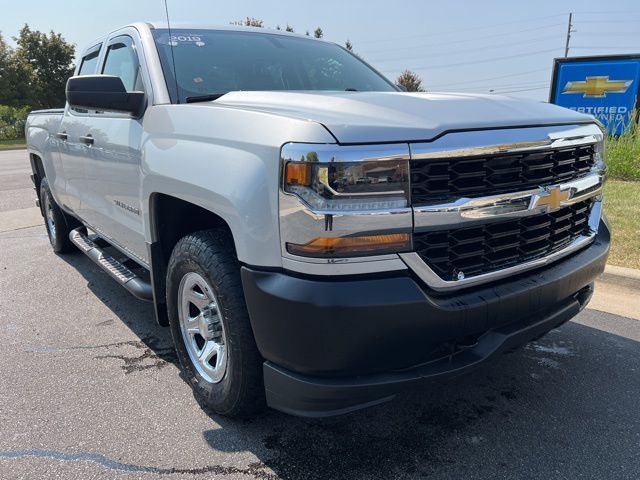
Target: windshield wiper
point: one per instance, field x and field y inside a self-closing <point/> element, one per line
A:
<point x="204" y="98"/>
<point x="350" y="90"/>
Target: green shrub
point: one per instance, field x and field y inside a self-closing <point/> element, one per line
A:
<point x="12" y="120"/>
<point x="623" y="155"/>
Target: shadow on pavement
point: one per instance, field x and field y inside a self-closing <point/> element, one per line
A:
<point x="565" y="406"/>
<point x="155" y="345"/>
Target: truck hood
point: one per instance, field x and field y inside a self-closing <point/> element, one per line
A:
<point x="363" y="117"/>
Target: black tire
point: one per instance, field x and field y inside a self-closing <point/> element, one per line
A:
<point x="62" y="223"/>
<point x="210" y="254"/>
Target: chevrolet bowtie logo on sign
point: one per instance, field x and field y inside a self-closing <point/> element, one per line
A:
<point x="597" y="87"/>
<point x="553" y="198"/>
<point x="603" y="86"/>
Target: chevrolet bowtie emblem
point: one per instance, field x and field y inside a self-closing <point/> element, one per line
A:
<point x="597" y="86"/>
<point x="553" y="198"/>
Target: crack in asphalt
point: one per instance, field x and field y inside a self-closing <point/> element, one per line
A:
<point x="257" y="470"/>
<point x="135" y="363"/>
<point x="154" y="349"/>
<point x="130" y="343"/>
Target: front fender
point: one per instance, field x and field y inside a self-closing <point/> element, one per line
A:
<point x="225" y="160"/>
<point x="232" y="183"/>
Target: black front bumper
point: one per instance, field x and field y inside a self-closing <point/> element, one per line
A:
<point x="335" y="345"/>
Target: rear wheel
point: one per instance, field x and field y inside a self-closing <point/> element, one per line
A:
<point x="210" y="325"/>
<point x="58" y="223"/>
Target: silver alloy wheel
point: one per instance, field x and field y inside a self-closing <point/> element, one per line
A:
<point x="201" y="327"/>
<point x="48" y="211"/>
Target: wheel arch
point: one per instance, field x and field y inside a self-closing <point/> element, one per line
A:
<point x="170" y="219"/>
<point x="37" y="167"/>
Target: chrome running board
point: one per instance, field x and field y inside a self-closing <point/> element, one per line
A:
<point x="137" y="286"/>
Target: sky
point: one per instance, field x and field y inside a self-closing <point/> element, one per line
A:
<point x="486" y="46"/>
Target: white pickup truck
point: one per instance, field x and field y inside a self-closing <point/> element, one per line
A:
<point x="316" y="238"/>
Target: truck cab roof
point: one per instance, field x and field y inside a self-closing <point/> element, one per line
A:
<point x="144" y="27"/>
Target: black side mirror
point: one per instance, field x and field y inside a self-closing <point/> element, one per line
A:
<point x="104" y="92"/>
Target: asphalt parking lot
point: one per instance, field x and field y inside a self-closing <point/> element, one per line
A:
<point x="90" y="389"/>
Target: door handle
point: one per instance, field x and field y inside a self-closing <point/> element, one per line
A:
<point x="62" y="136"/>
<point x="87" y="139"/>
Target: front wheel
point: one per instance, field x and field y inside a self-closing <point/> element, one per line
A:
<point x="210" y="325"/>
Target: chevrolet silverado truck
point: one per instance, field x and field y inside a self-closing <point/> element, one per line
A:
<point x="317" y="239"/>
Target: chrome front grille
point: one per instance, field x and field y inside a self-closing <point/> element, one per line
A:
<point x="490" y="204"/>
<point x="457" y="253"/>
<point x="439" y="180"/>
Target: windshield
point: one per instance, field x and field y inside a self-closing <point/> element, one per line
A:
<point x="213" y="62"/>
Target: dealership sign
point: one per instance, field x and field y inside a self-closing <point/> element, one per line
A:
<point x="606" y="87"/>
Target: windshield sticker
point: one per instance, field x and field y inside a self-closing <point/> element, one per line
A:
<point x="176" y="40"/>
<point x="196" y="39"/>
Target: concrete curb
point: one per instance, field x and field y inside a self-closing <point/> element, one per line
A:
<point x="17" y="219"/>
<point x="624" y="277"/>
<point x="8" y="149"/>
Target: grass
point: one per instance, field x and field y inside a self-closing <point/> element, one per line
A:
<point x="622" y="197"/>
<point x="7" y="144"/>
<point x="623" y="155"/>
<point x="622" y="207"/>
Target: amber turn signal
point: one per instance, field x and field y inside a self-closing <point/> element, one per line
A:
<point x="298" y="174"/>
<point x="352" y="246"/>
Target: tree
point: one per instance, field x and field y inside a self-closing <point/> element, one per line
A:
<point x="410" y="81"/>
<point x="16" y="77"/>
<point x="289" y="28"/>
<point x="348" y="46"/>
<point x="43" y="64"/>
<point x="317" y="32"/>
<point x="6" y="87"/>
<point x="251" y="22"/>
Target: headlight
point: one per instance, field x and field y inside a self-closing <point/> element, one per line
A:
<point x="342" y="186"/>
<point x="345" y="201"/>
<point x="601" y="150"/>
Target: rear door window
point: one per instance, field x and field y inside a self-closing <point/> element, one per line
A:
<point x="89" y="63"/>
